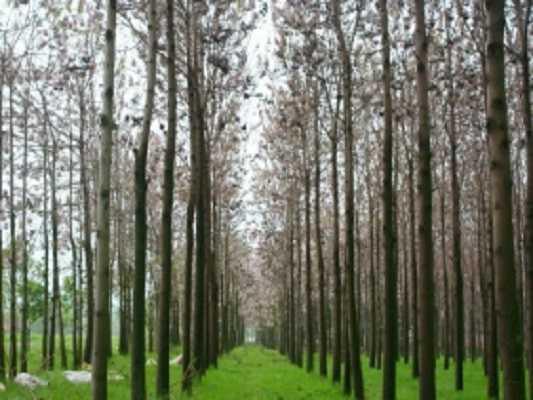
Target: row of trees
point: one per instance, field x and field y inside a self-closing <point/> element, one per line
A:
<point x="427" y="109"/>
<point x="143" y="217"/>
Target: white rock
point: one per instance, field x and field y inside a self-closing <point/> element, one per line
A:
<point x="115" y="376"/>
<point x="77" y="376"/>
<point x="29" y="381"/>
<point x="151" y="362"/>
<point x="2" y="387"/>
<point x="177" y="360"/>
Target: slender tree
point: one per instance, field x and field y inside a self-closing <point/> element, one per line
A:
<point x="2" y="348"/>
<point x="355" y="359"/>
<point x="13" y="255"/>
<point x="309" y="316"/>
<point x="391" y="273"/>
<point x="509" y="326"/>
<point x="44" y="346"/>
<point x="426" y="287"/>
<point x="458" y="299"/>
<point x="101" y="322"/>
<point x="87" y="222"/>
<point x="318" y="232"/>
<point x="24" y="319"/>
<point x="524" y="19"/>
<point x="138" y="375"/>
<point x="166" y="214"/>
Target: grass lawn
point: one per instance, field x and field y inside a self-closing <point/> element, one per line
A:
<point x="250" y="373"/>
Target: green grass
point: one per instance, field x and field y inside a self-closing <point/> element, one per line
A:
<point x="251" y="373"/>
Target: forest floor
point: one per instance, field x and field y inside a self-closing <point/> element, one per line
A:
<point x="248" y="373"/>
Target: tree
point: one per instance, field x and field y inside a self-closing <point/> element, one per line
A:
<point x="101" y="321"/>
<point x="138" y="376"/>
<point x="320" y="258"/>
<point x="355" y="359"/>
<point x="425" y="253"/>
<point x="524" y="19"/>
<point x="391" y="273"/>
<point x="310" y="337"/>
<point x="509" y="339"/>
<point x="87" y="223"/>
<point x="13" y="255"/>
<point x="46" y="274"/>
<point x="458" y="301"/>
<point x="337" y="280"/>
<point x="166" y="214"/>
<point x="2" y="349"/>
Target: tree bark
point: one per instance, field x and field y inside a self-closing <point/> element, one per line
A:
<point x="138" y="345"/>
<point x="163" y="378"/>
<point x="337" y="283"/>
<point x="355" y="358"/>
<point x="310" y="337"/>
<point x="54" y="318"/>
<point x="24" y="320"/>
<point x="414" y="267"/>
<point x="456" y="236"/>
<point x="2" y="348"/>
<point x="76" y="363"/>
<point x="427" y="390"/>
<point x="493" y="387"/>
<point x="84" y="183"/>
<point x="446" y="334"/>
<point x="509" y="339"/>
<point x="391" y="272"/>
<point x="320" y="258"/>
<point x="372" y="277"/>
<point x="13" y="254"/>
<point x="524" y="18"/>
<point x="101" y="321"/>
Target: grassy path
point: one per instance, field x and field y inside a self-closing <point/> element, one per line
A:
<point x="252" y="373"/>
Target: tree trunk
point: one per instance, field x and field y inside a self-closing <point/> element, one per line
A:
<point x="55" y="262"/>
<point x="524" y="17"/>
<point x="84" y="183"/>
<point x="473" y="325"/>
<point x="292" y="305"/>
<point x="13" y="255"/>
<point x="337" y="310"/>
<point x="138" y="345"/>
<point x="509" y="326"/>
<point x="299" y="318"/>
<point x="406" y="303"/>
<point x="74" y="262"/>
<point x="101" y="321"/>
<point x="2" y="348"/>
<point x="347" y="381"/>
<point x="372" y="276"/>
<point x="493" y="387"/>
<point x="44" y="351"/>
<point x="163" y="378"/>
<point x="24" y="320"/>
<point x="355" y="358"/>
<point x="62" y="343"/>
<point x="426" y="288"/>
<point x="320" y="258"/>
<point x="391" y="272"/>
<point x="456" y="237"/>
<point x="187" y="314"/>
<point x="414" y="267"/>
<point x="446" y="334"/>
<point x="310" y="337"/>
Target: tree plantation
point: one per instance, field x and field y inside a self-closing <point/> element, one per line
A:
<point x="266" y="199"/>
